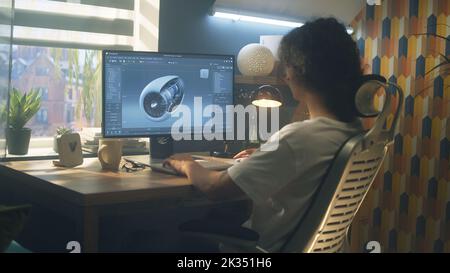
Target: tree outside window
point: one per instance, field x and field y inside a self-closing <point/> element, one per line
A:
<point x="70" y="87"/>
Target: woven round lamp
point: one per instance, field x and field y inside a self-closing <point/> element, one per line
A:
<point x="255" y="60"/>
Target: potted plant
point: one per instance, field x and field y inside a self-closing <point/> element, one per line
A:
<point x="59" y="132"/>
<point x="445" y="60"/>
<point x="22" y="107"/>
<point x="443" y="65"/>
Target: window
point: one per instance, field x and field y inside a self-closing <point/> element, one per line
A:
<point x="6" y="7"/>
<point x="42" y="71"/>
<point x="70" y="115"/>
<point x="70" y="93"/>
<point x="42" y="116"/>
<point x="43" y="92"/>
<point x="57" y="50"/>
<point x="82" y="83"/>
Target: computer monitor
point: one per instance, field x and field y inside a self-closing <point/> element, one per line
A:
<point x="142" y="91"/>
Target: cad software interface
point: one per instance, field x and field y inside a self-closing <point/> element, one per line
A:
<point x="144" y="90"/>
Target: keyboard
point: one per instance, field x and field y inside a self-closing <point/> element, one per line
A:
<point x="210" y="163"/>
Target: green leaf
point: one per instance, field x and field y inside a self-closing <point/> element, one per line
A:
<point x="23" y="99"/>
<point x="23" y="107"/>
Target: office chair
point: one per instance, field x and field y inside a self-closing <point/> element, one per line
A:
<point x="325" y="225"/>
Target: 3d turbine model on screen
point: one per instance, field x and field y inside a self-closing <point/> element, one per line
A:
<point x="161" y="97"/>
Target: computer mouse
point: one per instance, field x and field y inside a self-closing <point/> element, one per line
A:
<point x="238" y="160"/>
<point x="220" y="154"/>
<point x="167" y="168"/>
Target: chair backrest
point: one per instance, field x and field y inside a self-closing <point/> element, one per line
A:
<point x="324" y="227"/>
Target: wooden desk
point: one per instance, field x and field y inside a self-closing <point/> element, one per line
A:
<point x="86" y="193"/>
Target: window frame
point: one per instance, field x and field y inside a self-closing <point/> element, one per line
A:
<point x="138" y="20"/>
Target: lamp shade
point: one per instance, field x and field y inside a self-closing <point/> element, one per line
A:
<point x="255" y="60"/>
<point x="267" y="96"/>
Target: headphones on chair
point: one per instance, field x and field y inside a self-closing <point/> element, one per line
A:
<point x="368" y="86"/>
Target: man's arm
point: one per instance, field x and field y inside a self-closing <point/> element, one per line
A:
<point x="216" y="185"/>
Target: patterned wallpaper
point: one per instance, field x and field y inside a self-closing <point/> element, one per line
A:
<point x="408" y="207"/>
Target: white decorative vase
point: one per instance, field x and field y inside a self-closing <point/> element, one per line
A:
<point x="255" y="60"/>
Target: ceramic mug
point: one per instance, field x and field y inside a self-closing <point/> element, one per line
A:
<point x="110" y="153"/>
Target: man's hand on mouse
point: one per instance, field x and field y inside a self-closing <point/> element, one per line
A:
<point x="180" y="163"/>
<point x="245" y="153"/>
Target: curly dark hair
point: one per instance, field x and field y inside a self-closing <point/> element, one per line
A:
<point x="326" y="61"/>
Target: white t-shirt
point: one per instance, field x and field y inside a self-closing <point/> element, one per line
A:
<point x="282" y="182"/>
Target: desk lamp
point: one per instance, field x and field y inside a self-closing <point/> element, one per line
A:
<point x="267" y="96"/>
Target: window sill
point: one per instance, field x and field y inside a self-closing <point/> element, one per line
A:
<point x="42" y="148"/>
<point x="48" y="153"/>
<point x="38" y="153"/>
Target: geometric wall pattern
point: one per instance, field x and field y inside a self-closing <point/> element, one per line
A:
<point x="408" y="206"/>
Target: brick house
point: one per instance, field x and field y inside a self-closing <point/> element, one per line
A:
<point x="43" y="74"/>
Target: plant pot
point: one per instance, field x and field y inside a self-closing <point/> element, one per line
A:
<point x="18" y="140"/>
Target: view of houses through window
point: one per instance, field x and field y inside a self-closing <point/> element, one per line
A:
<point x="69" y="82"/>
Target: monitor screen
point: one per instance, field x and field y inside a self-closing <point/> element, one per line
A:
<point x="144" y="92"/>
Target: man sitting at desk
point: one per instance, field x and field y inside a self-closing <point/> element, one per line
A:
<point x="322" y="67"/>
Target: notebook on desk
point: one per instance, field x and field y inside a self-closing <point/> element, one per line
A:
<point x="210" y="163"/>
